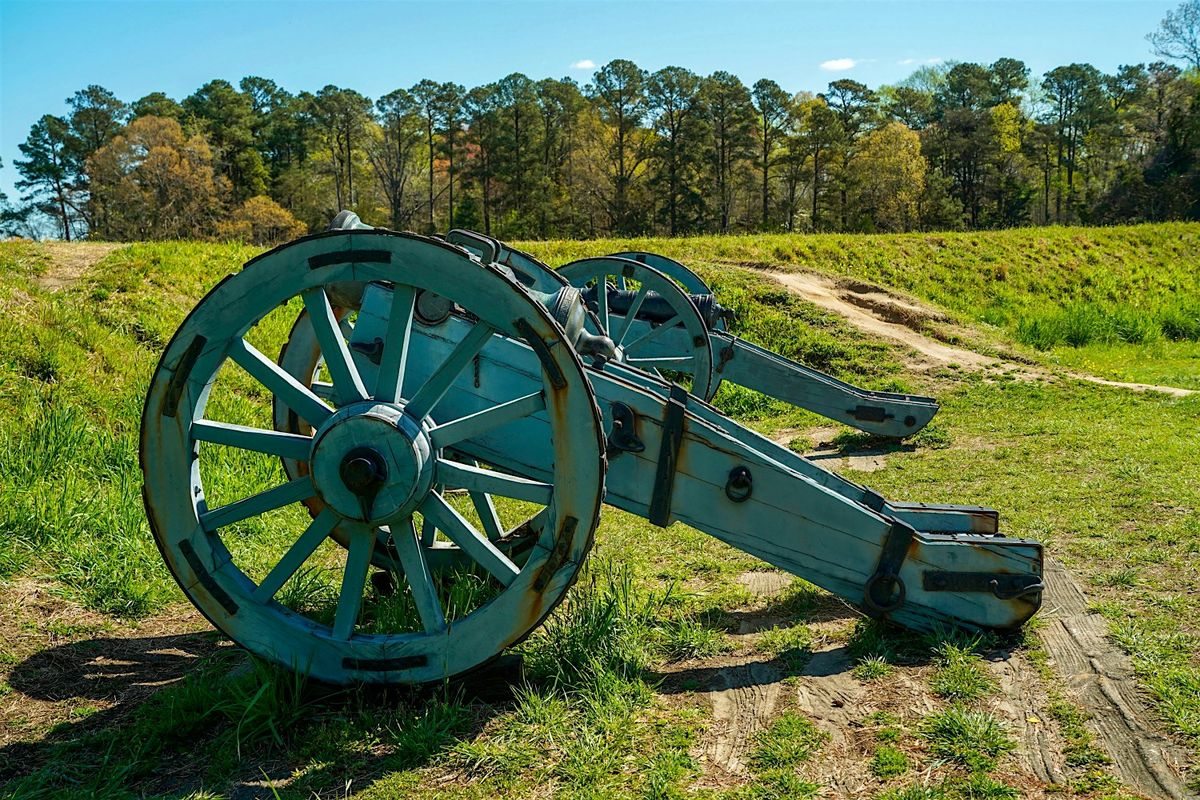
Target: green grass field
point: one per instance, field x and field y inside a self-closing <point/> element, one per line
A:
<point x="612" y="697"/>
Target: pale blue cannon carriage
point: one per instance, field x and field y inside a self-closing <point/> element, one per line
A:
<point x="431" y="388"/>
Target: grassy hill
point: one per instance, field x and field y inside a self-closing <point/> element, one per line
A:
<point x="611" y="705"/>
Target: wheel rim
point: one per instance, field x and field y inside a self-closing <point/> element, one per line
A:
<point x="378" y="445"/>
<point x="696" y="357"/>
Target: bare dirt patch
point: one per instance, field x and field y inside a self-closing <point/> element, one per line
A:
<point x="70" y="261"/>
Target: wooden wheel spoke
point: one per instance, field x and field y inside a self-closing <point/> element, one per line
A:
<point x="631" y="314"/>
<point x="322" y="390"/>
<point x="420" y="581"/>
<point x="354" y="579"/>
<point x="293" y="491"/>
<point x="296" y="555"/>
<point x="463" y="476"/>
<point x="428" y="532"/>
<point x="489" y="419"/>
<point x="346" y="380"/>
<point x="440" y="381"/>
<point x="653" y="334"/>
<point x="486" y="554"/>
<point x="602" y="303"/>
<point x="486" y="509"/>
<point x="291" y="392"/>
<point x="285" y="445"/>
<point x="390" y="383"/>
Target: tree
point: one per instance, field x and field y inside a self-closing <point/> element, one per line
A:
<point x="517" y="104"/>
<point x="618" y="89"/>
<point x="48" y="175"/>
<point x="771" y="103"/>
<point x="890" y="177"/>
<point x="262" y="221"/>
<point x="853" y="105"/>
<point x="425" y="93"/>
<point x="1009" y="78"/>
<point x="481" y="113"/>
<point x="730" y="115"/>
<point x="1178" y="35"/>
<point x="1076" y="99"/>
<point x="226" y="116"/>
<point x="816" y="134"/>
<point x="157" y="104"/>
<point x="673" y="95"/>
<point x="450" y="108"/>
<point x="96" y="117"/>
<point x="913" y="107"/>
<point x="392" y="152"/>
<point x="560" y="104"/>
<point x="341" y="116"/>
<point x="153" y="182"/>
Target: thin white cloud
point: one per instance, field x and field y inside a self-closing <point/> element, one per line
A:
<point x="908" y="62"/>
<point x="838" y="64"/>
<point x="586" y="63"/>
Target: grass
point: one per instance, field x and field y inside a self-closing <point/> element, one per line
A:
<point x="973" y="739"/>
<point x="1103" y="476"/>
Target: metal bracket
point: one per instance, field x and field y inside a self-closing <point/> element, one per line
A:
<point x="1004" y="585"/>
<point x="668" y="456"/>
<point x="373" y="350"/>
<point x="870" y="413"/>
<point x="623" y="437"/>
<point x="884" y="590"/>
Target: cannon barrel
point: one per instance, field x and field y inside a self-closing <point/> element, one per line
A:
<point x="655" y="308"/>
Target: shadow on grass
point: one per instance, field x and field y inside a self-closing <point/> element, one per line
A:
<point x="189" y="711"/>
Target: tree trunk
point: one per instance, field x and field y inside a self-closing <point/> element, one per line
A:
<point x="429" y="136"/>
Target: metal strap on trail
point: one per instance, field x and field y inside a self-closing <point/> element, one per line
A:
<point x="885" y="591"/>
<point x="668" y="456"/>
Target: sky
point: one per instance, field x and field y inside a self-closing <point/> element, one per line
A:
<point x="50" y="49"/>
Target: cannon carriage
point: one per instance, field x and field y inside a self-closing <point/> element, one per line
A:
<point x="453" y="414"/>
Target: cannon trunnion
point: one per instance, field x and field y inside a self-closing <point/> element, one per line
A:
<point x="450" y="415"/>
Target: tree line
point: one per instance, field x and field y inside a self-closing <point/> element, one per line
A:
<point x="953" y="146"/>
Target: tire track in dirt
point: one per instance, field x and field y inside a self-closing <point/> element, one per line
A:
<point x="878" y="312"/>
<point x="1101" y="678"/>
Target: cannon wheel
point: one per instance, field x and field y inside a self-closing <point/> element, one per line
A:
<point x="366" y="493"/>
<point x="680" y="273"/>
<point x="696" y="360"/>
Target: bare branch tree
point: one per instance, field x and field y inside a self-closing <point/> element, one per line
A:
<point x="1178" y="35"/>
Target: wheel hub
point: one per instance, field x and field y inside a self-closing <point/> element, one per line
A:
<point x="372" y="463"/>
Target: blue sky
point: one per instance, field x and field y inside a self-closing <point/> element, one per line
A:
<point x="49" y="49"/>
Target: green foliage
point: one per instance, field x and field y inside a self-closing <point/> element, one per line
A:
<point x="974" y="739"/>
<point x="888" y="762"/>
<point x="960" y="675"/>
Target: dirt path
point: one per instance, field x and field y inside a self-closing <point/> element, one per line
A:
<point x="71" y="260"/>
<point x="876" y="311"/>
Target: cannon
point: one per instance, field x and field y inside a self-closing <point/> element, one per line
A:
<point x="447" y="417"/>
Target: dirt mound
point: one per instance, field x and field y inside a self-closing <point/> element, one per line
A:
<point x="884" y="315"/>
<point x="881" y="313"/>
